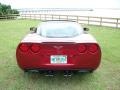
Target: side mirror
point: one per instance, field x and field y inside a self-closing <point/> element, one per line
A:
<point x="86" y="29"/>
<point x="33" y="29"/>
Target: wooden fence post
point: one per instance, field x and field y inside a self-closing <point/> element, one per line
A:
<point x="101" y="21"/>
<point x="30" y="16"/>
<point x="59" y="17"/>
<point x="6" y="16"/>
<point x="24" y="16"/>
<point x="52" y="17"/>
<point x="77" y="19"/>
<point x="117" y="23"/>
<point x="40" y="16"/>
<point x="67" y="17"/>
<point x="45" y="17"/>
<point x="88" y="20"/>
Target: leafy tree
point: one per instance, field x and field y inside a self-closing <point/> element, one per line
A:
<point x="6" y="10"/>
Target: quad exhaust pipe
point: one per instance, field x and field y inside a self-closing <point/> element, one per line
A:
<point x="66" y="73"/>
<point x="50" y="73"/>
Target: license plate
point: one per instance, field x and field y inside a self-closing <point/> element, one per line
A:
<point x="58" y="59"/>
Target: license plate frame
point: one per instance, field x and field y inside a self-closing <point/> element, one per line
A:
<point x="58" y="59"/>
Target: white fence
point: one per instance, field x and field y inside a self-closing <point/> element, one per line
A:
<point x="90" y="20"/>
<point x="102" y="21"/>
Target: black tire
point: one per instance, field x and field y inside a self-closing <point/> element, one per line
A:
<point x="26" y="71"/>
<point x="91" y="71"/>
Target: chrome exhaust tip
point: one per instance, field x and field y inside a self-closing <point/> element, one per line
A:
<point x="49" y="73"/>
<point x="68" y="73"/>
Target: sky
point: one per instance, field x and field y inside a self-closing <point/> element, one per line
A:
<point x="18" y="4"/>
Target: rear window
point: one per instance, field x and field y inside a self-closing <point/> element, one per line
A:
<point x="59" y="30"/>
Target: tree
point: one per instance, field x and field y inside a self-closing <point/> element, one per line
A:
<point x="6" y="10"/>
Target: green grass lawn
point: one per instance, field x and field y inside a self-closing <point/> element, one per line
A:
<point x="106" y="77"/>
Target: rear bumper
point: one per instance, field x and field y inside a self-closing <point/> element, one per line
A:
<point x="59" y="67"/>
<point x="43" y="62"/>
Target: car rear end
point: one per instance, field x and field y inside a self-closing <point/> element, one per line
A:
<point x="58" y="56"/>
<point x="58" y="45"/>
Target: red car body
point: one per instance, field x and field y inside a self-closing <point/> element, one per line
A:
<point x="78" y="54"/>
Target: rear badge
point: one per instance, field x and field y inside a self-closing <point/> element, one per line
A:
<point x="57" y="47"/>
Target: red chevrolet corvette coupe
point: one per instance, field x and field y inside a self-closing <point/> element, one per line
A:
<point x="58" y="45"/>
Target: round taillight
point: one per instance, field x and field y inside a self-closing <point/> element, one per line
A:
<point x="82" y="48"/>
<point x="24" y="47"/>
<point x="93" y="48"/>
<point x="35" y="48"/>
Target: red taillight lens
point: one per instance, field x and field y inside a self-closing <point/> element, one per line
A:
<point x="93" y="48"/>
<point x="82" y="48"/>
<point x="24" y="47"/>
<point x="35" y="48"/>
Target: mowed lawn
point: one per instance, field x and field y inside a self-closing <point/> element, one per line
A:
<point x="106" y="77"/>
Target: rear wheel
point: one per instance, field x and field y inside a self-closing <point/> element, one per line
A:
<point x="91" y="71"/>
<point x="25" y="71"/>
